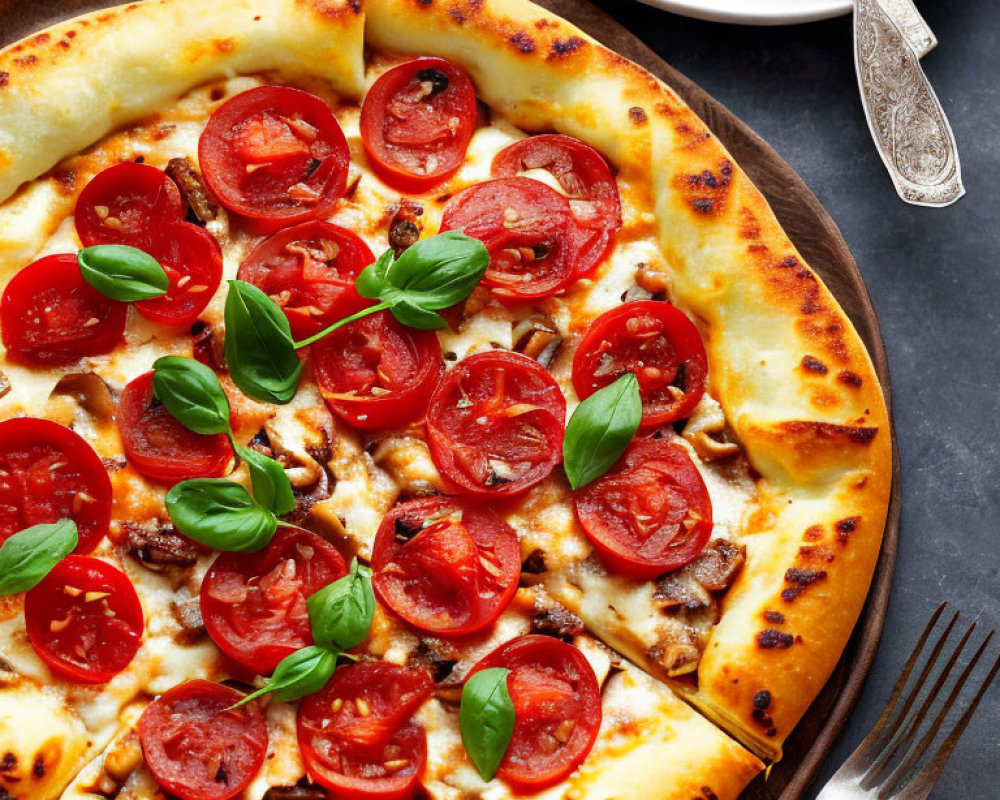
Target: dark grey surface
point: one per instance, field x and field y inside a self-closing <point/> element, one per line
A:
<point x="934" y="277"/>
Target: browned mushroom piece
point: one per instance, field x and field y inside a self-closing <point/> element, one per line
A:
<point x="158" y="547"/>
<point x="555" y="620"/>
<point x="405" y="225"/>
<point x="295" y="793"/>
<point x="718" y="564"/>
<point x="85" y="391"/>
<point x="537" y="337"/>
<point x="193" y="190"/>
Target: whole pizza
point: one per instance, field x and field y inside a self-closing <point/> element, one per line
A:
<point x="405" y="398"/>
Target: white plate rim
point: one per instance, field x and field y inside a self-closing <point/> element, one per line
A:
<point x="756" y="12"/>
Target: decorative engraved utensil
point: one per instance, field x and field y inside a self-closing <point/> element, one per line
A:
<point x="907" y="122"/>
<point x="912" y="25"/>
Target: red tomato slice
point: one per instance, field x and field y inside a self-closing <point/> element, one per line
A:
<point x="192" y="259"/>
<point x="376" y="373"/>
<point x="50" y="316"/>
<point x="527" y="228"/>
<point x="651" y="513"/>
<point x="557" y="708"/>
<point x="585" y="177"/>
<point x="48" y="473"/>
<point x="84" y="619"/>
<point x="416" y="123"/>
<point x="309" y="270"/>
<point x="126" y="204"/>
<point x="495" y="424"/>
<point x="275" y="153"/>
<point x="445" y="566"/>
<point x="658" y="344"/>
<point x="197" y="747"/>
<point x="254" y="604"/>
<point x="159" y="446"/>
<point x="356" y="736"/>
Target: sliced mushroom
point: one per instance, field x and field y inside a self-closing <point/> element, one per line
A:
<point x="678" y="653"/>
<point x="718" y="564"/>
<point x="85" y="391"/>
<point x="193" y="190"/>
<point x="537" y="337"/>
<point x="555" y="620"/>
<point x="158" y="547"/>
<point x="704" y="429"/>
<point x="680" y="590"/>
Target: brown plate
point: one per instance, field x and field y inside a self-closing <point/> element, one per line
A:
<point x="818" y="239"/>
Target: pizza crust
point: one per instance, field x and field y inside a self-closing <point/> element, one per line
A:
<point x="786" y="365"/>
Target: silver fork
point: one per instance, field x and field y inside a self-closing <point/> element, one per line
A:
<point x="886" y="763"/>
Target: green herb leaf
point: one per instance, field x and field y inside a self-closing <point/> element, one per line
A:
<point x="271" y="487"/>
<point x="341" y="614"/>
<point x="305" y="671"/>
<point x="439" y="271"/>
<point x="122" y="272"/>
<point x="413" y="315"/>
<point x="192" y="394"/>
<point x="600" y="429"/>
<point x="371" y="281"/>
<point x="260" y="351"/>
<point x="486" y="719"/>
<point x="220" y="514"/>
<point x="29" y="555"/>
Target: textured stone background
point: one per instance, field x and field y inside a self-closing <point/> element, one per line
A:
<point x="934" y="276"/>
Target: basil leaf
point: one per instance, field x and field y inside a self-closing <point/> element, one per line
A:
<point x="271" y="487"/>
<point x="412" y="315"/>
<point x="192" y="394"/>
<point x="260" y="351"/>
<point x="341" y="613"/>
<point x="486" y="719"/>
<point x="29" y="555"/>
<point x="220" y="514"/>
<point x="600" y="429"/>
<point x="371" y="281"/>
<point x="439" y="271"/>
<point x="305" y="671"/>
<point x="122" y="272"/>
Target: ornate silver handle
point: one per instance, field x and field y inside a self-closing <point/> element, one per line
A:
<point x="912" y="25"/>
<point x="907" y="122"/>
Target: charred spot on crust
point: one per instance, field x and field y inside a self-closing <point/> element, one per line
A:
<point x="707" y="191"/>
<point x="637" y="115"/>
<point x="38" y="768"/>
<point x="800" y="579"/>
<point x="708" y="794"/>
<point x="762" y="699"/>
<point x="8" y="763"/>
<point x="813" y="533"/>
<point x="849" y="378"/>
<point x="812" y="364"/>
<point x="4" y="78"/>
<point x="563" y="47"/>
<point x="846" y="527"/>
<point x="771" y="639"/>
<point x="774" y="617"/>
<point x="355" y="6"/>
<point x="523" y="42"/>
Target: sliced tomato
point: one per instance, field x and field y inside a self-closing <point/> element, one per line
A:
<point x="275" y="153"/>
<point x="309" y="270"/>
<point x="357" y="737"/>
<point x="416" y="123"/>
<point x="84" y="619"/>
<point x="50" y="316"/>
<point x="126" y="204"/>
<point x="584" y="175"/>
<point x="159" y="446"/>
<point x="376" y="373"/>
<point x="495" y="424"/>
<point x="445" y="566"/>
<point x="192" y="259"/>
<point x="557" y="709"/>
<point x="197" y="746"/>
<point x="528" y="229"/>
<point x="658" y="344"/>
<point x="48" y="473"/>
<point x="254" y="604"/>
<point x="651" y="513"/>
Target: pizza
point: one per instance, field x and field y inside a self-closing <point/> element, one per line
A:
<point x="405" y="398"/>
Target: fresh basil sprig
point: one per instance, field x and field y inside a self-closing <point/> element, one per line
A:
<point x="600" y="429"/>
<point x="260" y="350"/>
<point x="486" y="719"/>
<point x="220" y="514"/>
<point x="341" y="614"/>
<point x="122" y="272"/>
<point x="29" y="555"/>
<point x="431" y="275"/>
<point x="192" y="394"/>
<point x="271" y="487"/>
<point x="305" y="671"/>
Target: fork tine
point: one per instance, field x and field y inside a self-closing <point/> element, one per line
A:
<point x="922" y="783"/>
<point x="904" y="735"/>
<point x="880" y="735"/>
<point x="913" y="758"/>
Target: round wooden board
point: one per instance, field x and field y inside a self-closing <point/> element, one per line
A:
<point x="818" y="239"/>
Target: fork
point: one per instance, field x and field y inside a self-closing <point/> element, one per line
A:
<point x="885" y="764"/>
